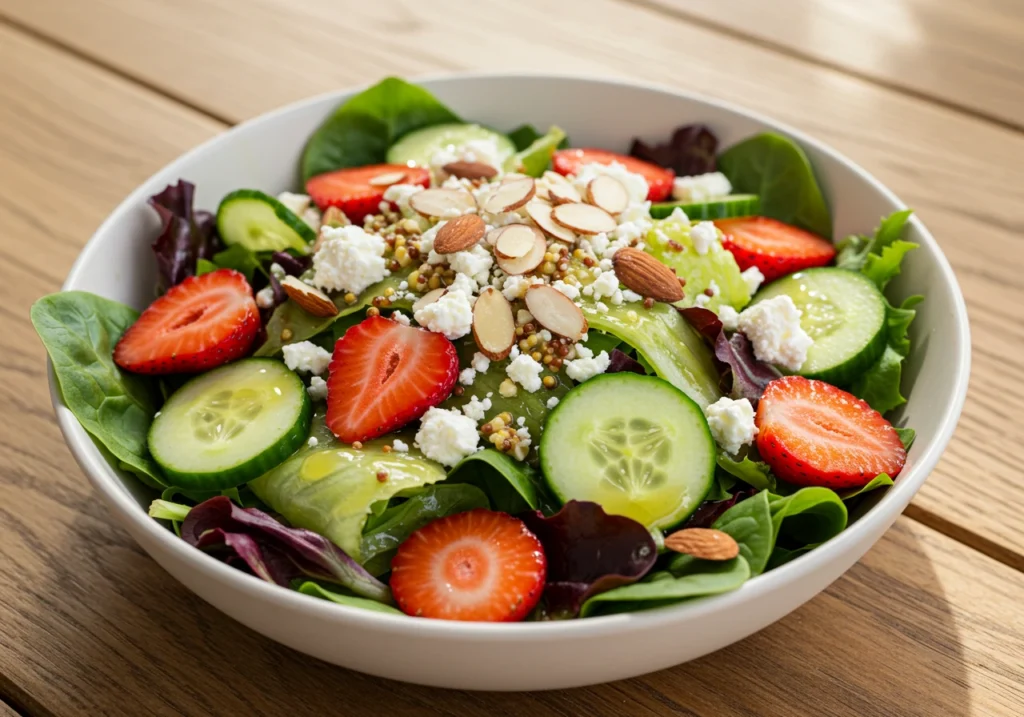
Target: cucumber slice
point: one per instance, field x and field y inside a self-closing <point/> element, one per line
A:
<point x="259" y="222"/>
<point x="233" y="424"/>
<point x="735" y="205"/>
<point x="636" y="445"/>
<point x="844" y="312"/>
<point x="417" y="148"/>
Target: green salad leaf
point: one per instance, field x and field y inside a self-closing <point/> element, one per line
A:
<point x="535" y="158"/>
<point x="756" y="474"/>
<point x="776" y="169"/>
<point x="205" y="266"/>
<point x="360" y="131"/>
<point x="749" y="522"/>
<point x="240" y="259"/>
<point x="338" y="594"/>
<point x="882" y="480"/>
<point x="79" y="331"/>
<point x="510" y="484"/>
<point x="853" y="251"/>
<point x="907" y="436"/>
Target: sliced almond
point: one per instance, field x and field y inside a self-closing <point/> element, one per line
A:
<point x="608" y="194"/>
<point x="583" y="218"/>
<point x="494" y="330"/>
<point x="387" y="179"/>
<point x="560" y="190"/>
<point x="442" y="203"/>
<point x="459" y="234"/>
<point x="313" y="301"/>
<point x="703" y="543"/>
<point x="427" y="299"/>
<point x="492" y="236"/>
<point x="470" y="170"/>
<point x="528" y="262"/>
<point x="512" y="176"/>
<point x="509" y="196"/>
<point x="515" y="241"/>
<point x="556" y="312"/>
<point x="540" y="213"/>
<point x="647" y="276"/>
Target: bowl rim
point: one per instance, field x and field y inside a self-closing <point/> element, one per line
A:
<point x="108" y="484"/>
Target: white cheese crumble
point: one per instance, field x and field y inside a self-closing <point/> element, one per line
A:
<point x="265" y="297"/>
<point x="552" y="402"/>
<point x="476" y="409"/>
<point x="522" y="448"/>
<point x="312" y="442"/>
<point x="466" y="285"/>
<point x="483" y="150"/>
<point x="317" y="389"/>
<point x="729" y="317"/>
<point x="526" y="372"/>
<point x="701" y="187"/>
<point x="480" y="363"/>
<point x="349" y="260"/>
<point x="451" y="315"/>
<point x="467" y="376"/>
<point x="398" y="194"/>
<point x="732" y="423"/>
<point x="704" y="236"/>
<point x="586" y="365"/>
<point x="773" y="327"/>
<point x="400" y="446"/>
<point x="515" y="286"/>
<point x="606" y="284"/>
<point x="400" y="318"/>
<point x="754" y="278"/>
<point x="570" y="290"/>
<point x="447" y="436"/>
<point x="475" y="263"/>
<point x="306" y="356"/>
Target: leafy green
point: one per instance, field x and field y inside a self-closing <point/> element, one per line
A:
<point x="854" y="250"/>
<point x="166" y="510"/>
<point x="754" y="473"/>
<point x="79" y="331"/>
<point x="882" y="268"/>
<point x="897" y="321"/>
<point x="205" y="266"/>
<point x="749" y="522"/>
<point x="342" y="596"/>
<point x="882" y="480"/>
<point x="523" y="136"/>
<point x="776" y="169"/>
<point x="361" y="130"/>
<point x="536" y="158"/>
<point x="598" y="341"/>
<point x="907" y="436"/>
<point x="396" y="523"/>
<point x="880" y="384"/>
<point x="510" y="484"/>
<point x="240" y="259"/>
<point x="722" y="487"/>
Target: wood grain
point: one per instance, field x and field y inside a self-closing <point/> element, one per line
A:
<point x="964" y="176"/>
<point x="964" y="53"/>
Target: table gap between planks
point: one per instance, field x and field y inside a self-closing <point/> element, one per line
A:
<point x="90" y="625"/>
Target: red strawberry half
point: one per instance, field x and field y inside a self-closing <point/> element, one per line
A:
<point x="773" y="247"/>
<point x="383" y="375"/>
<point x="481" y="565"/>
<point x="358" y="191"/>
<point x="204" y="321"/>
<point x="812" y="433"/>
<point x="659" y="179"/>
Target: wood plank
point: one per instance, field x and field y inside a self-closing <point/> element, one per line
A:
<point x="964" y="53"/>
<point x="926" y="153"/>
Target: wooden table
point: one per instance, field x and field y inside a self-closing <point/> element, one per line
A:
<point x="927" y="94"/>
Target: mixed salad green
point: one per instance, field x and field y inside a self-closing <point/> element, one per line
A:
<point x="479" y="374"/>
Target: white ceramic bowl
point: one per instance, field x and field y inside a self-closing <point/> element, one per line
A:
<point x="263" y="153"/>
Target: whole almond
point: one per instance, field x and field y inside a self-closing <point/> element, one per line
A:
<point x="313" y="301"/>
<point x="459" y="234"/>
<point x="470" y="170"/>
<point x="647" y="276"/>
<point x="703" y="543"/>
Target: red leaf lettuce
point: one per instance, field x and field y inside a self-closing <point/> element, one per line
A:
<point x="185" y="235"/>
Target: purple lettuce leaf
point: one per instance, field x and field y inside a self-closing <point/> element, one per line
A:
<point x="750" y="377"/>
<point x="705" y="321"/>
<point x="589" y="552"/>
<point x="691" y="150"/>
<point x="292" y="265"/>
<point x="272" y="551"/>
<point x="185" y="235"/>
<point x="710" y="510"/>
<point x="621" y="361"/>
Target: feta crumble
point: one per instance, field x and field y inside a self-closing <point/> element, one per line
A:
<point x="467" y="376"/>
<point x="773" y="327"/>
<point x="476" y="409"/>
<point x="400" y="446"/>
<point x="451" y="315"/>
<point x="475" y="263"/>
<point x="732" y="423"/>
<point x="399" y="194"/>
<point x="447" y="436"/>
<point x="480" y="363"/>
<point x="570" y="290"/>
<point x="306" y="356"/>
<point x="522" y="448"/>
<point x="348" y="260"/>
<point x="729" y="317"/>
<point x="605" y="285"/>
<point x="265" y="297"/>
<point x="704" y="236"/>
<point x="515" y="286"/>
<point x="754" y="278"/>
<point x="317" y="389"/>
<point x="526" y="372"/>
<point x="400" y="318"/>
<point x="586" y="365"/>
<point x="552" y="402"/>
<point x="701" y="187"/>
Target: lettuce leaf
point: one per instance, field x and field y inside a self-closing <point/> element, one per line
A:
<point x="691" y="150"/>
<point x="535" y="158"/>
<point x="186" y="236"/>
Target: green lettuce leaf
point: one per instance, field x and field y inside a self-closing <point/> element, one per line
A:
<point x="510" y="484"/>
<point x="882" y="480"/>
<point x="756" y="474"/>
<point x="536" y="157"/>
<point x="882" y="268"/>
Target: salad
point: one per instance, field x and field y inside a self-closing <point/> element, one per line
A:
<point x="476" y="374"/>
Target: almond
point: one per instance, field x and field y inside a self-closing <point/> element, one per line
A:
<point x="387" y="179"/>
<point x="540" y="213"/>
<point x="647" y="276"/>
<point x="515" y="241"/>
<point x="470" y="170"/>
<point x="528" y="262"/>
<point x="494" y="330"/>
<point x="703" y="543"/>
<point x="459" y="234"/>
<point x="427" y="299"/>
<point x="492" y="236"/>
<point x="511" y="195"/>
<point x="442" y="203"/>
<point x="560" y="189"/>
<point x="313" y="301"/>
<point x="608" y="194"/>
<point x="583" y="218"/>
<point x="555" y="311"/>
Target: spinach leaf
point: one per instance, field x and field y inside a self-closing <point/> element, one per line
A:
<point x="598" y="341"/>
<point x="777" y="170"/>
<point x="523" y="136"/>
<point x="881" y="480"/>
<point x="907" y="436"/>
<point x="750" y="523"/>
<point x="79" y="331"/>
<point x="361" y="130"/>
<point x="392" y="527"/>
<point x="342" y="597"/>
<point x="721" y="489"/>
<point x="809" y="516"/>
<point x="240" y="259"/>
<point x="510" y="484"/>
<point x="754" y="473"/>
<point x="205" y="266"/>
<point x="536" y="158"/>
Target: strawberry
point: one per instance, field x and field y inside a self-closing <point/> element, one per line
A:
<point x="383" y="375"/>
<point x="481" y="566"/>
<point x="773" y="247"/>
<point x="203" y="322"/>
<point x="353" y="191"/>
<point x="659" y="179"/>
<point x="812" y="433"/>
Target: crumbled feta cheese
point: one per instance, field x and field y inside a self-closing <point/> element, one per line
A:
<point x="628" y="295"/>
<point x="306" y="356"/>
<point x="349" y="260"/>
<point x="399" y="195"/>
<point x="400" y="446"/>
<point x="312" y="442"/>
<point x="602" y="307"/>
<point x="522" y="448"/>
<point x="447" y="436"/>
<point x="400" y="318"/>
<point x="467" y="376"/>
<point x="427" y="238"/>
<point x="483" y="150"/>
<point x="732" y="423"/>
<point x="587" y="365"/>
<point x="552" y="402"/>
<point x="265" y="297"/>
<point x="570" y="290"/>
<point x="451" y="315"/>
<point x="678" y="215"/>
<point x="521" y="421"/>
<point x="515" y="286"/>
<point x="702" y="300"/>
<point x="607" y="284"/>
<point x="773" y="327"/>
<point x="701" y="187"/>
<point x="526" y="372"/>
<point x="317" y="389"/>
<point x="475" y="263"/>
<point x="754" y="279"/>
<point x="477" y="409"/>
<point x="704" y="236"/>
<point x="466" y="285"/>
<point x="729" y="317"/>
<point x="480" y="363"/>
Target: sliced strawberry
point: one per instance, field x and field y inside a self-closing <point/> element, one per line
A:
<point x="659" y="179"/>
<point x="482" y="566"/>
<point x="354" y="191"/>
<point x="773" y="247"/>
<point x="204" y="321"/>
<point x="383" y="375"/>
<point x="812" y="433"/>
